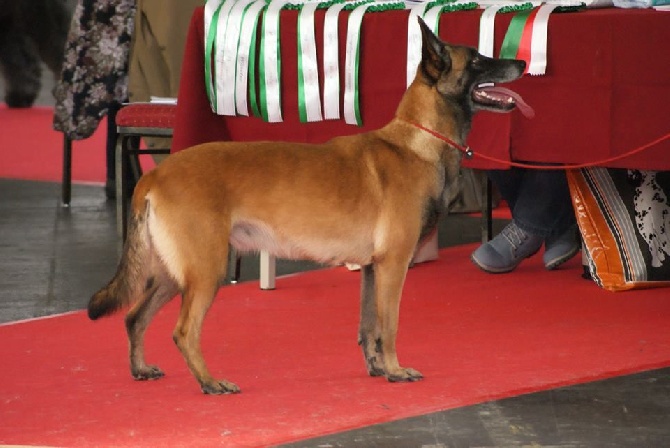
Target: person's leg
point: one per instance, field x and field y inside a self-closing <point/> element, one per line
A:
<point x="508" y="183"/>
<point x="513" y="244"/>
<point x="542" y="204"/>
<point x="541" y="211"/>
<point x="544" y="208"/>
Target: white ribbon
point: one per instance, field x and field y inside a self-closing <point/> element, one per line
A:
<point x="487" y="30"/>
<point x="309" y="65"/>
<point x="219" y="54"/>
<point x="351" y="108"/>
<point x="271" y="61"/>
<point x="247" y="31"/>
<point x="331" y="63"/>
<point x="432" y="18"/>
<point x="414" y="40"/>
<point x="226" y="97"/>
<point x="210" y="8"/>
<point x="538" y="45"/>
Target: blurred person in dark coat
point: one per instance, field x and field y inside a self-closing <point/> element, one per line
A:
<point x="31" y="33"/>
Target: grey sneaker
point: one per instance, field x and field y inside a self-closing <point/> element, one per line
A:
<point x="507" y="250"/>
<point x="561" y="248"/>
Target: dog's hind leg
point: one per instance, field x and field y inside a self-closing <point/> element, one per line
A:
<point x="389" y="279"/>
<point x="369" y="333"/>
<point x="158" y="291"/>
<point x="198" y="295"/>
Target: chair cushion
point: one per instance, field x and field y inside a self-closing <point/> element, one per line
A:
<point x="146" y="115"/>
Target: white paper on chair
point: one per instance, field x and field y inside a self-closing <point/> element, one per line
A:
<point x="162" y="100"/>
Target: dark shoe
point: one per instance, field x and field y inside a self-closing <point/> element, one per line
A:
<point x="561" y="248"/>
<point x="507" y="250"/>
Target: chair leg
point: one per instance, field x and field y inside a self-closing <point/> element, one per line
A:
<point x="120" y="190"/>
<point x="487" y="212"/>
<point x="238" y="268"/>
<point x="234" y="264"/>
<point x="134" y="159"/>
<point x="67" y="171"/>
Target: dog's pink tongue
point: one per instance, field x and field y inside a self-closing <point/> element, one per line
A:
<point x="523" y="107"/>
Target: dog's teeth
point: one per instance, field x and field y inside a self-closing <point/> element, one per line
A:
<point x="486" y="84"/>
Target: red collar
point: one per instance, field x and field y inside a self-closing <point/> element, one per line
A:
<point x="466" y="150"/>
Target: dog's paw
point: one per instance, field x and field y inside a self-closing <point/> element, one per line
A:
<point x="404" y="375"/>
<point x="372" y="353"/>
<point x="375" y="367"/>
<point x="147" y="373"/>
<point x="220" y="387"/>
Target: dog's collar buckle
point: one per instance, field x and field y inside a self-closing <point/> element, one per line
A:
<point x="469" y="152"/>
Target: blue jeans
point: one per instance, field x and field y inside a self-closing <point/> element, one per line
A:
<point x="538" y="199"/>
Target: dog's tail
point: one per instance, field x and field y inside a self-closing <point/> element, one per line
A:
<point x="130" y="277"/>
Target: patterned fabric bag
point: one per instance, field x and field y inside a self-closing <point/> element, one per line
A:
<point x="624" y="219"/>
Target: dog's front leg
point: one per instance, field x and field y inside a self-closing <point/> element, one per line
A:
<point x="389" y="279"/>
<point x="369" y="333"/>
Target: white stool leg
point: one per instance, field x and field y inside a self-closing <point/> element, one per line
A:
<point x="268" y="271"/>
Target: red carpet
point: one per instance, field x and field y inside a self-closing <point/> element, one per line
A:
<point x="476" y="337"/>
<point x="30" y="149"/>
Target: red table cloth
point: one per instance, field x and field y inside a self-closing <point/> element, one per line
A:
<point x="606" y="90"/>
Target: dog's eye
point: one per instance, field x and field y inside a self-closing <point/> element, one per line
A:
<point x="476" y="62"/>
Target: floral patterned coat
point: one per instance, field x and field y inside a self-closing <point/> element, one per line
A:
<point x="95" y="69"/>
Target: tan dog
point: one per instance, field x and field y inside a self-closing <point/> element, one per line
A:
<point x="364" y="199"/>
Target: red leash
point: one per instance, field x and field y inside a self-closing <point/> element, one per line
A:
<point x="469" y="153"/>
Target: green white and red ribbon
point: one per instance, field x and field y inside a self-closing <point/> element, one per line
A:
<point x="526" y="38"/>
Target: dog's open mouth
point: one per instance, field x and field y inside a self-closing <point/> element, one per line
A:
<point x="490" y="96"/>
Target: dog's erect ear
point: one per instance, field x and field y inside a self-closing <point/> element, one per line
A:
<point x="435" y="57"/>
